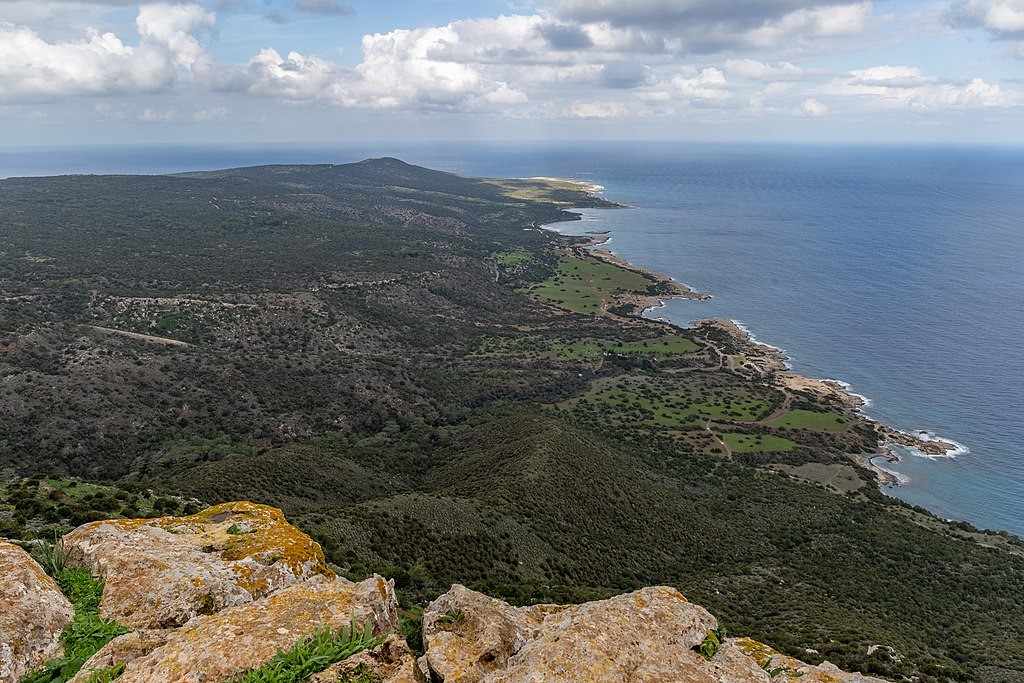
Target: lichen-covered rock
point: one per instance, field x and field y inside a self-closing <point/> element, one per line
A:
<point x="160" y="573"/>
<point x="647" y="635"/>
<point x="391" y="662"/>
<point x="218" y="647"/>
<point x="122" y="650"/>
<point x="468" y="635"/>
<point x="650" y="635"/>
<point x="33" y="612"/>
<point x="788" y="669"/>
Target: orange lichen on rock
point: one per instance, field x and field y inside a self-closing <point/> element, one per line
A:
<point x="162" y="572"/>
<point x="221" y="646"/>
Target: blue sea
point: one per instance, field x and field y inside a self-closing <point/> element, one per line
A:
<point x="897" y="270"/>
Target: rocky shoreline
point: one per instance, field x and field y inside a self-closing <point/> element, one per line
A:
<point x="771" y="362"/>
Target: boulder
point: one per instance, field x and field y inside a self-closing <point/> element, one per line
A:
<point x="122" y="650"/>
<point x="647" y="635"/>
<point x="219" y="647"/>
<point x="390" y="662"/>
<point x="650" y="635"/>
<point x="786" y="669"/>
<point x="33" y="612"/>
<point x="468" y="635"/>
<point x="159" y="573"/>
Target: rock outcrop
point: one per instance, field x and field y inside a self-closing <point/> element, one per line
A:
<point x="222" y="592"/>
<point x="33" y="612"/>
<point x="651" y="635"/>
<point x="160" y="573"/>
<point x="220" y="646"/>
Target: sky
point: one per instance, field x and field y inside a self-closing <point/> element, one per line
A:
<point x="254" y="71"/>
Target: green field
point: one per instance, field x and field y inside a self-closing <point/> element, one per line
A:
<point x="756" y="443"/>
<point x="513" y="258"/>
<point x="642" y="401"/>
<point x="810" y="419"/>
<point x="582" y="285"/>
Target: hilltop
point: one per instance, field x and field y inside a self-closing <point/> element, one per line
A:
<point x="442" y="393"/>
<point x="235" y="593"/>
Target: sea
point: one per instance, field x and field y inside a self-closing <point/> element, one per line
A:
<point x="899" y="270"/>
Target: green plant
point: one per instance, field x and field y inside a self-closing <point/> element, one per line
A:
<point x="86" y="633"/>
<point x="411" y="623"/>
<point x="712" y="641"/>
<point x="313" y="654"/>
<point x="238" y="529"/>
<point x="51" y="556"/>
<point x="451" y="617"/>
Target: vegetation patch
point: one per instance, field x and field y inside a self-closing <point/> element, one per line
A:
<point x="513" y="258"/>
<point x="658" y="402"/>
<point x="586" y="285"/>
<point x="44" y="508"/>
<point x="813" y="420"/>
<point x="757" y="443"/>
<point x="586" y="349"/>
<point x="87" y="632"/>
<point x="313" y="654"/>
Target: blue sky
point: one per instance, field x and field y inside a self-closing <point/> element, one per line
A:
<point x="246" y="71"/>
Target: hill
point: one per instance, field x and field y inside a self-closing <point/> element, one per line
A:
<point x="440" y="392"/>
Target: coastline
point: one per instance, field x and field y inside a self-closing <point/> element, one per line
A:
<point x="770" y="362"/>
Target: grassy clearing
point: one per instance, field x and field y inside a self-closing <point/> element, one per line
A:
<point x="536" y="189"/>
<point x="513" y="258"/>
<point x="662" y="403"/>
<point x="313" y="654"/>
<point x="757" y="443"/>
<point x="813" y="420"/>
<point x="583" y="285"/>
<point x="87" y="632"/>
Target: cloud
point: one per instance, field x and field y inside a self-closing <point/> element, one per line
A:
<point x="32" y="69"/>
<point x="754" y="70"/>
<point x="625" y="75"/>
<point x="888" y="76"/>
<point x="597" y="110"/>
<point x="708" y="85"/>
<point x="560" y="36"/>
<point x="706" y="26"/>
<point x="906" y="87"/>
<point x="431" y="68"/>
<point x="833" y="20"/>
<point x="814" y="109"/>
<point x="1001" y="18"/>
<point x="173" y="27"/>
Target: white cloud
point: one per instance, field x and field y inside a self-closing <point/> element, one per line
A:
<point x="32" y="68"/>
<point x="814" y="109"/>
<point x="888" y="76"/>
<point x="708" y="84"/>
<point x="1003" y="18"/>
<point x="173" y="27"/>
<point x="907" y="87"/>
<point x="834" y="20"/>
<point x="761" y="71"/>
<point x="598" y="110"/>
